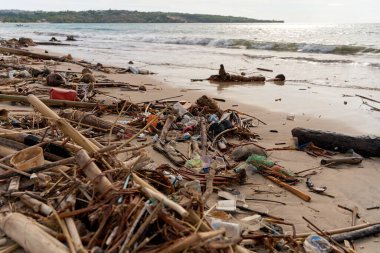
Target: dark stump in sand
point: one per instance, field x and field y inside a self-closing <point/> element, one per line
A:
<point x="55" y="80"/>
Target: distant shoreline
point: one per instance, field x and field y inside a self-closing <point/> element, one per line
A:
<point x="119" y="16"/>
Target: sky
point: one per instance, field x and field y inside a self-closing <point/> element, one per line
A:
<point x="304" y="11"/>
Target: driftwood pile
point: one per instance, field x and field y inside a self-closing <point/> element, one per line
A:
<point x="75" y="182"/>
<point x="94" y="199"/>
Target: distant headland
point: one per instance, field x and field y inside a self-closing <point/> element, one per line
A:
<point x="119" y="16"/>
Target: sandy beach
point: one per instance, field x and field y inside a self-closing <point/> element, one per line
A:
<point x="351" y="185"/>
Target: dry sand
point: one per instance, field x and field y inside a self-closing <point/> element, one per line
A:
<point x="356" y="185"/>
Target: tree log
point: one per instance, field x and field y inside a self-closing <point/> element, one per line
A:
<point x="363" y="145"/>
<point x="91" y="120"/>
<point x="29" y="54"/>
<point x="358" y="234"/>
<point x="337" y="161"/>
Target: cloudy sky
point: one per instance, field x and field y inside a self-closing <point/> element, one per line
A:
<point x="288" y="10"/>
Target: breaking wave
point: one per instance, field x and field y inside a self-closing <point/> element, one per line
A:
<point x="263" y="45"/>
<point x="224" y="43"/>
<point x="53" y="34"/>
<point x="311" y="59"/>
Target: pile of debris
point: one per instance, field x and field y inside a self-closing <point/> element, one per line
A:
<point x="75" y="182"/>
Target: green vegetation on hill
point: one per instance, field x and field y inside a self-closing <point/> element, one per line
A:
<point x="119" y="16"/>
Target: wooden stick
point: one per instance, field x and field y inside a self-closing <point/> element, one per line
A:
<point x="153" y="193"/>
<point x="72" y="229"/>
<point x="36" y="205"/>
<point x="209" y="183"/>
<point x="62" y="124"/>
<point x="370" y="99"/>
<point x="17" y="171"/>
<point x="165" y="129"/>
<point x="340" y="230"/>
<point x="242" y="113"/>
<point x="65" y="231"/>
<point x="40" y="168"/>
<point x="354" y="214"/>
<point x="337" y="161"/>
<point x="90" y="169"/>
<point x="143" y="226"/>
<point x="221" y="134"/>
<point x="141" y="130"/>
<point x="290" y="188"/>
<point x="326" y="235"/>
<point x="183" y="243"/>
<point x="91" y="120"/>
<point x="203" y="136"/>
<point x="372" y="107"/>
<point x="52" y="102"/>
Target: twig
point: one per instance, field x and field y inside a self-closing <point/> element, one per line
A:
<point x="370" y="99"/>
<point x="65" y="231"/>
<point x="117" y="118"/>
<point x="326" y="235"/>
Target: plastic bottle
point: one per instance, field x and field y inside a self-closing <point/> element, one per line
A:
<point x="316" y="244"/>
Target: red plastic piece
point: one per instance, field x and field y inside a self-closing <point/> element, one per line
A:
<point x="62" y="94"/>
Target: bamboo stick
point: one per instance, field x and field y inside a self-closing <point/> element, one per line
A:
<point x="36" y="205"/>
<point x="153" y="193"/>
<point x="91" y="170"/>
<point x="40" y="168"/>
<point x="65" y="231"/>
<point x="143" y="226"/>
<point x="51" y="102"/>
<point x="28" y="235"/>
<point x="183" y="243"/>
<point x="62" y="124"/>
<point x="72" y="229"/>
<point x="340" y="230"/>
<point x="91" y="120"/>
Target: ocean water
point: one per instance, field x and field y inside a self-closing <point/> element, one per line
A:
<point x="323" y="62"/>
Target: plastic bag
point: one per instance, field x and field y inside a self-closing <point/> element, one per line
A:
<point x="259" y="161"/>
<point x="316" y="244"/>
